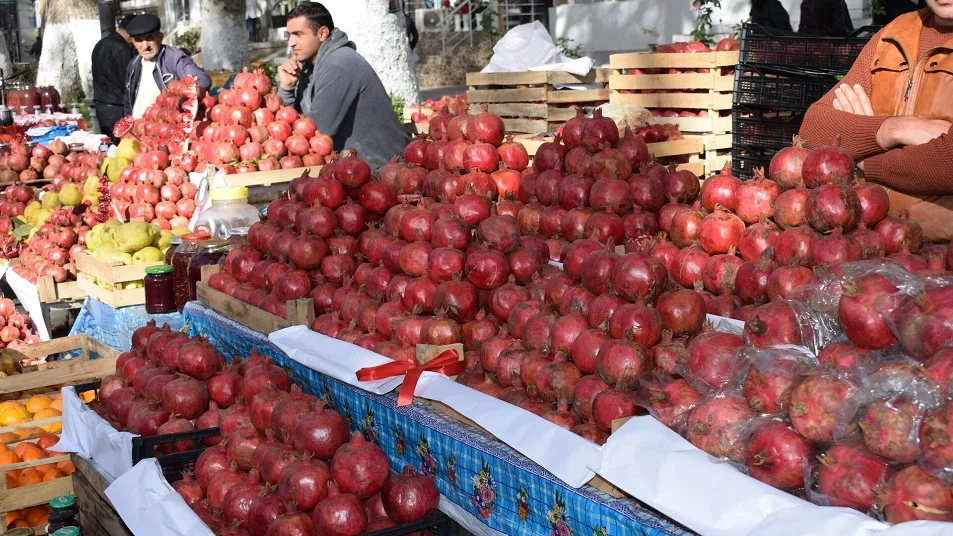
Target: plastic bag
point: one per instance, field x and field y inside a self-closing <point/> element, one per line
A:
<point x="714" y="361"/>
<point x="717" y="425"/>
<point x="627" y="115"/>
<point x="816" y="403"/>
<point x="789" y="322"/>
<point x="825" y="295"/>
<point x="777" y="454"/>
<point x="771" y="375"/>
<point x="668" y="399"/>
<point x="846" y="475"/>
<point x="923" y="321"/>
<point x="525" y="46"/>
<point x="886" y="411"/>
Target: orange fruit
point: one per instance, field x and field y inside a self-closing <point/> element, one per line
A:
<point x="8" y="437"/>
<point x="26" y="433"/>
<point x="37" y="403"/>
<point x="9" y="404"/>
<point x="11" y="480"/>
<point x="57" y="404"/>
<point x="8" y="457"/>
<point x="47" y="441"/>
<point x="21" y="447"/>
<point x="29" y="476"/>
<point x="37" y="519"/>
<point x="66" y="466"/>
<point x="14" y="415"/>
<point x="20" y="523"/>
<point x="53" y="474"/>
<point x="33" y="454"/>
<point x="11" y="516"/>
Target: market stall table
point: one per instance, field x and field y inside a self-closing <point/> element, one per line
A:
<point x="114" y="326"/>
<point x="485" y="479"/>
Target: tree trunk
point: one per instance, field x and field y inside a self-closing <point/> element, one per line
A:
<point x="224" y="35"/>
<point x="5" y="62"/>
<point x="71" y="32"/>
<point x="381" y="38"/>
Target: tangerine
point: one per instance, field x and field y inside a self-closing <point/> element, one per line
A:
<point x="66" y="466"/>
<point x="29" y="476"/>
<point x="37" y="403"/>
<point x="22" y="447"/>
<point x="53" y="474"/>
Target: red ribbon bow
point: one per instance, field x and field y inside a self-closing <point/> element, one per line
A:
<point x="448" y="362"/>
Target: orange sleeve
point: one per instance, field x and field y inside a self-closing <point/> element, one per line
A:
<point x="858" y="132"/>
<point x="917" y="169"/>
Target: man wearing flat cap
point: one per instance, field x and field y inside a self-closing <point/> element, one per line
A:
<point x="111" y="55"/>
<point x="156" y="66"/>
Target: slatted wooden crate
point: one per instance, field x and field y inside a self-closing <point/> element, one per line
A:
<point x="529" y="102"/>
<point x="642" y="79"/>
<point x="300" y="312"/>
<point x="52" y="292"/>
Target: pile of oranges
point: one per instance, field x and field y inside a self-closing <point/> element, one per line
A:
<point x="35" y="408"/>
<point x="26" y="451"/>
<point x="28" y="517"/>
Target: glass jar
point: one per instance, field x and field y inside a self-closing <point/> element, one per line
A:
<point x="209" y="253"/>
<point x="176" y="242"/>
<point x="68" y="531"/>
<point x="229" y="215"/>
<point x="180" y="264"/>
<point x="63" y="513"/>
<point x="49" y="97"/>
<point x="160" y="297"/>
<point x="22" y="531"/>
<point x="30" y="98"/>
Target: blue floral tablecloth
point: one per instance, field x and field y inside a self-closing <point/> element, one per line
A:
<point x="114" y="326"/>
<point x="485" y="477"/>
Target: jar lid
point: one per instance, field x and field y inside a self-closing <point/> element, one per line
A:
<point x="67" y="531"/>
<point x="228" y="193"/>
<point x="63" y="501"/>
<point x="158" y="270"/>
<point x="196" y="237"/>
<point x="22" y="531"/>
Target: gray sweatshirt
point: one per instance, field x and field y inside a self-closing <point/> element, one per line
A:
<point x="348" y="102"/>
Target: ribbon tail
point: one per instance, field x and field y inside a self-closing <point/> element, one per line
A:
<point x="407" y="388"/>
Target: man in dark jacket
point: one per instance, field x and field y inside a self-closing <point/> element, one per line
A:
<point x="111" y="55"/>
<point x="327" y="80"/>
<point x="770" y="14"/>
<point x="825" y="18"/>
<point x="156" y="66"/>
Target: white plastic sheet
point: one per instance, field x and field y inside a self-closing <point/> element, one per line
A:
<point x="333" y="358"/>
<point x="90" y="436"/>
<point x="29" y="297"/>
<point x="656" y="465"/>
<point x="529" y="47"/>
<point x="571" y="458"/>
<point x="149" y="505"/>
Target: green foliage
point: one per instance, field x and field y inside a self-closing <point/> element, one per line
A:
<point x="567" y="48"/>
<point x="87" y="115"/>
<point x="702" y="31"/>
<point x="189" y="39"/>
<point x="874" y="8"/>
<point x="26" y="73"/>
<point x="398" y="103"/>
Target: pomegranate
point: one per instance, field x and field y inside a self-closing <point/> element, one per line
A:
<point x="774" y="324"/>
<point x="718" y="232"/>
<point x="832" y="205"/>
<point x="787" y="165"/>
<point x="863" y="309"/>
<point x="682" y="312"/>
<point x="715" y="426"/>
<point x="756" y="198"/>
<point x="874" y="202"/>
<point x="721" y="189"/>
<point x="612" y="404"/>
<point x="410" y="496"/>
<point x="912" y="494"/>
<point x="713" y="358"/>
<point x="849" y="474"/>
<point x="598" y="131"/>
<point x="827" y="165"/>
<point x="304" y="482"/>
<point x="815" y="403"/>
<point x="669" y="401"/>
<point x="834" y="249"/>
<point x="320" y="433"/>
<point x="360" y="467"/>
<point x="900" y="234"/>
<point x="777" y="455"/>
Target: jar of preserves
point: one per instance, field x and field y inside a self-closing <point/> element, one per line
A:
<point x="63" y="512"/>
<point x="209" y="253"/>
<point x="183" y="254"/>
<point x="49" y="96"/>
<point x="176" y="242"/>
<point x="160" y="297"/>
<point x="67" y="531"/>
<point x="229" y="215"/>
<point x="30" y="98"/>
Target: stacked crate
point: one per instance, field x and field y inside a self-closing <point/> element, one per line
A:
<point x="777" y="79"/>
<point x="690" y="90"/>
<point x="532" y="102"/>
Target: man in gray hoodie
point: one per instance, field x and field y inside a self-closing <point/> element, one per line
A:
<point x="327" y="80"/>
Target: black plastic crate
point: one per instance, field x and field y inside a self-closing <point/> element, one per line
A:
<point x="744" y="160"/>
<point x="174" y="463"/>
<point x="757" y="88"/>
<point x="771" y="130"/>
<point x="802" y="54"/>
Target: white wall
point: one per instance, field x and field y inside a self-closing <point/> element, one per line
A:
<point x="631" y="25"/>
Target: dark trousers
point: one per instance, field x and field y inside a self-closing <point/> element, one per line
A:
<point x="108" y="115"/>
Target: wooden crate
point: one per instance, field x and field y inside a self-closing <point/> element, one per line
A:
<point x="34" y="494"/>
<point x="52" y="292"/>
<point x="702" y="152"/>
<point x="268" y="178"/>
<point x="113" y="273"/>
<point x="300" y="312"/>
<point x="529" y="101"/>
<point x="95" y="361"/>
<point x="97" y="514"/>
<point x="711" y="91"/>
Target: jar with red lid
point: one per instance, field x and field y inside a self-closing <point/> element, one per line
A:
<point x="183" y="254"/>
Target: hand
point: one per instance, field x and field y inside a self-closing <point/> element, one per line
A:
<point x="288" y="74"/>
<point x="905" y="131"/>
<point x="853" y="100"/>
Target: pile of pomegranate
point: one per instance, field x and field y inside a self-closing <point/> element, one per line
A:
<point x="52" y="249"/>
<point x="422" y="113"/>
<point x="152" y="190"/>
<point x="15" y="328"/>
<point x="283" y="462"/>
<point x="579" y="287"/>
